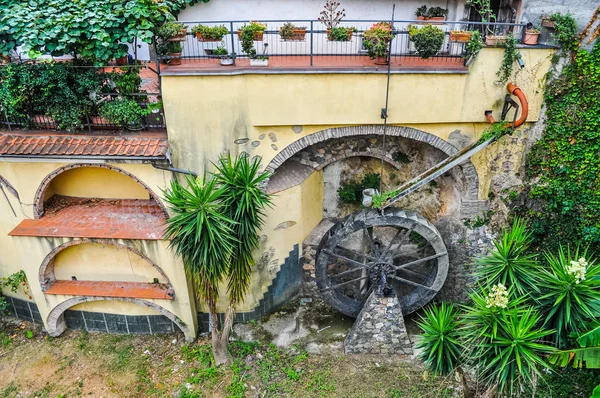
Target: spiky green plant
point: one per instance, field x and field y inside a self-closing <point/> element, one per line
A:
<point x="512" y="356"/>
<point x="201" y="233"/>
<point x="509" y="263"/>
<point x="440" y="340"/>
<point x="245" y="204"/>
<point x="569" y="301"/>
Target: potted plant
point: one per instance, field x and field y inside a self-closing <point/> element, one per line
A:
<point x="340" y="33"/>
<point x="495" y="40"/>
<point x="531" y="36"/>
<point x="123" y="112"/>
<point x="484" y="9"/>
<point x="174" y="53"/>
<point x="431" y="15"/>
<point x="377" y="40"/>
<point x="210" y="33"/>
<point x="460" y="36"/>
<point x="122" y="59"/>
<point x="260" y="60"/>
<point x="331" y="16"/>
<point x="548" y="22"/>
<point x="254" y="29"/>
<point x="224" y="57"/>
<point x="291" y="32"/>
<point x="173" y="31"/>
<point x="428" y="40"/>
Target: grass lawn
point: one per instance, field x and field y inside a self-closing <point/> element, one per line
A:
<point x="32" y="364"/>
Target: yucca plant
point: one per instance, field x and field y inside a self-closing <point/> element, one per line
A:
<point x="440" y="340"/>
<point x="509" y="263"/>
<point x="512" y="357"/>
<point x="214" y="230"/>
<point x="571" y="293"/>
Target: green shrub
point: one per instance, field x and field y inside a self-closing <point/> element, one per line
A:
<point x="428" y="40"/>
<point x="351" y="193"/>
<point x="123" y="112"/>
<point x="340" y="33"/>
<point x="440" y="341"/>
<point x="211" y="32"/>
<point x="571" y="293"/>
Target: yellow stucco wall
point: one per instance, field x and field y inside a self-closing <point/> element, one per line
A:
<point x="90" y="182"/>
<point x="28" y="253"/>
<point x="206" y="114"/>
<point x="96" y="262"/>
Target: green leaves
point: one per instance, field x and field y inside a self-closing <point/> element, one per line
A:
<point x="508" y="62"/>
<point x="569" y="303"/>
<point x="92" y="29"/>
<point x="428" y="40"/>
<point x="440" y="341"/>
<point x="509" y="263"/>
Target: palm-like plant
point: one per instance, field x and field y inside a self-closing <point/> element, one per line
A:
<point x="568" y="299"/>
<point x="509" y="263"/>
<point x="214" y="230"/>
<point x="512" y="357"/>
<point x="440" y="340"/>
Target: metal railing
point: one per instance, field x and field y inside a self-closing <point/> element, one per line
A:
<point x="92" y="121"/>
<point x="316" y="48"/>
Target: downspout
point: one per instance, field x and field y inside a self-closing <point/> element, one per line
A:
<point x="516" y="91"/>
<point x="174" y="169"/>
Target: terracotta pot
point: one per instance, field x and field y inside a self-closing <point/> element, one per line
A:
<point x="350" y="32"/>
<point x="43" y="122"/>
<point x="548" y="23"/>
<point x="179" y="37"/>
<point x="461" y="37"/>
<point x="201" y="38"/>
<point x="175" y="59"/>
<point x="258" y="36"/>
<point x="98" y="121"/>
<point x="124" y="60"/>
<point x="531" y="38"/>
<point x="432" y="20"/>
<point x="381" y="60"/>
<point x="495" y="40"/>
<point x="299" y="35"/>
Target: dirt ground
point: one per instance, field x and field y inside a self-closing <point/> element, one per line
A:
<point x="32" y="364"/>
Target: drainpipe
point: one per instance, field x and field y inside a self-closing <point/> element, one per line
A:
<point x="174" y="169"/>
<point x="516" y="91"/>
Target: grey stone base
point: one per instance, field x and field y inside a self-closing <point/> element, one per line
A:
<point x="379" y="329"/>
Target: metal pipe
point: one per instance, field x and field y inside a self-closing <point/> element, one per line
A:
<point x="516" y="91"/>
<point x="174" y="170"/>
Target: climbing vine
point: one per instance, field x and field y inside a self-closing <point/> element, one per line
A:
<point x="13" y="282"/>
<point x="562" y="168"/>
<point x="511" y="54"/>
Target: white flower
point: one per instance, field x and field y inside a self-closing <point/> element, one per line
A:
<point x="578" y="269"/>
<point x="498" y="297"/>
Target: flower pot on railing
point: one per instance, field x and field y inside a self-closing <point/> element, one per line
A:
<point x="99" y="121"/>
<point x="180" y="36"/>
<point x="350" y="31"/>
<point x="381" y="60"/>
<point x="201" y="38"/>
<point x="174" y="59"/>
<point x="495" y="40"/>
<point x="531" y="37"/>
<point x="43" y="122"/>
<point x="258" y="35"/>
<point x="548" y="22"/>
<point x="460" y="36"/>
<point x="259" y="62"/>
<point x="431" y="20"/>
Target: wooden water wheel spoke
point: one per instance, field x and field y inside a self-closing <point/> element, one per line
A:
<point x="344" y="283"/>
<point x="397" y="252"/>
<point x="408" y="282"/>
<point x="353" y="262"/>
<point x="420" y="261"/>
<point x="355" y="252"/>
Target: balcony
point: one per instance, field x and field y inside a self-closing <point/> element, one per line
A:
<point x="315" y="52"/>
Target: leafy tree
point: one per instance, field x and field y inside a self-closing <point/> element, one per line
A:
<point x="91" y="29"/>
<point x="214" y="230"/>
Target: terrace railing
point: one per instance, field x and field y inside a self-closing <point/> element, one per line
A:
<point x="315" y="49"/>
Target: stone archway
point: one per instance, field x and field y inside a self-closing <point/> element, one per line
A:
<point x="469" y="171"/>
<point x="56" y="323"/>
<point x="38" y="203"/>
<point x="46" y="272"/>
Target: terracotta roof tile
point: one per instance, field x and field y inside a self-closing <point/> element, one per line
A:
<point x="68" y="145"/>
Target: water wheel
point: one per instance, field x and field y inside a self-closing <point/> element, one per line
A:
<point x="399" y="248"/>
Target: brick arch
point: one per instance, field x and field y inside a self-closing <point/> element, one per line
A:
<point x="288" y="152"/>
<point x="38" y="202"/>
<point x="46" y="272"/>
<point x="56" y="322"/>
